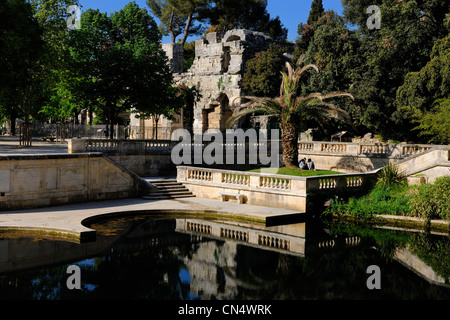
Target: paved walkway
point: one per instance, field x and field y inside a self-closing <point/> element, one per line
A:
<point x="69" y="218"/>
<point x="10" y="146"/>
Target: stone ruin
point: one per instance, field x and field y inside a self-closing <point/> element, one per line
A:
<point x="217" y="71"/>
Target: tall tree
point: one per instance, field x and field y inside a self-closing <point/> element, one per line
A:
<point x="335" y="51"/>
<point x="305" y="31"/>
<point x="261" y="75"/>
<point x="402" y="45"/>
<point x="178" y="17"/>
<point x="225" y="15"/>
<point x="291" y="108"/>
<point x="21" y="48"/>
<point x="316" y="11"/>
<point x="424" y="95"/>
<point x="120" y="59"/>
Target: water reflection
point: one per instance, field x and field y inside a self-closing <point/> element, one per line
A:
<point x="189" y="258"/>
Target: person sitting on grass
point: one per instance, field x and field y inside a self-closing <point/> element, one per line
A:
<point x="311" y="165"/>
<point x="302" y="164"/>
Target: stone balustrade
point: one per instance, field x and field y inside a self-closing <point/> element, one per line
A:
<point x="267" y="189"/>
<point x="130" y="146"/>
<point x="114" y="146"/>
<point x="337" y="156"/>
<point x="391" y="150"/>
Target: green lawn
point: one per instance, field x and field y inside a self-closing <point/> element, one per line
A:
<point x="291" y="171"/>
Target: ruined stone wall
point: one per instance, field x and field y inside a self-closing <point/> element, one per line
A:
<point x="217" y="71"/>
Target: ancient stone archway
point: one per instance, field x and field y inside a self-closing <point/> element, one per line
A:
<point x="233" y="38"/>
<point x="217" y="115"/>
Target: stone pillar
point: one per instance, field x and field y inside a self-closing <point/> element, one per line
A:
<point x="181" y="173"/>
<point x="175" y="54"/>
<point x="76" y="146"/>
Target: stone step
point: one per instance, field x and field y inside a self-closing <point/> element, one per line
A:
<point x="171" y="186"/>
<point x="164" y="197"/>
<point x="172" y="192"/>
<point x="168" y="189"/>
<point x="162" y="181"/>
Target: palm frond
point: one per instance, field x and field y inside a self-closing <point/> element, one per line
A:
<point x="337" y="94"/>
<point x="336" y="112"/>
<point x="243" y="113"/>
<point x="300" y="71"/>
<point x="252" y="100"/>
<point x="259" y="105"/>
<point x="290" y="70"/>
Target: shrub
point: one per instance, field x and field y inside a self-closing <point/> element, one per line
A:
<point x="432" y="201"/>
<point x="389" y="176"/>
<point x="392" y="200"/>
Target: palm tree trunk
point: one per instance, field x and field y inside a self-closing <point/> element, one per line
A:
<point x="289" y="140"/>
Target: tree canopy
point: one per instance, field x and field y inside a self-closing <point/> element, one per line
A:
<point x="424" y="95"/>
<point x="121" y="63"/>
<point x="178" y="17"/>
<point x="262" y="71"/>
<point x="398" y="74"/>
<point x="225" y="15"/>
<point x="373" y="64"/>
<point x="21" y="50"/>
<point x="291" y="108"/>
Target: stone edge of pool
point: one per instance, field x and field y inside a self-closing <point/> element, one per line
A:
<point x="72" y="220"/>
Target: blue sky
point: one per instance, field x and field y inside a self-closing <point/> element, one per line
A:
<point x="291" y="12"/>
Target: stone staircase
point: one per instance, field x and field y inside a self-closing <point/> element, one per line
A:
<point x="168" y="189"/>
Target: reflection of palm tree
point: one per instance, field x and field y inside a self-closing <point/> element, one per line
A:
<point x="291" y="108"/>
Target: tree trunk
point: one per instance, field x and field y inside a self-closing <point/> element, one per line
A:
<point x="156" y="119"/>
<point x="289" y="141"/>
<point x="186" y="29"/>
<point x="172" y="33"/>
<point x="13" y="117"/>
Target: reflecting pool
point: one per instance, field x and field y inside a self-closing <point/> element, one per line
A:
<point x="174" y="258"/>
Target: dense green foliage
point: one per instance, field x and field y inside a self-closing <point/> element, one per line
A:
<point x="432" y="201"/>
<point x="291" y="108"/>
<point x="428" y="200"/>
<point x="21" y="53"/>
<point x="435" y="123"/>
<point x="408" y="51"/>
<point x="178" y="17"/>
<point x="398" y="74"/>
<point x="392" y="201"/>
<point x="226" y="15"/>
<point x="424" y="96"/>
<point x="262" y="71"/>
<point x="120" y="63"/>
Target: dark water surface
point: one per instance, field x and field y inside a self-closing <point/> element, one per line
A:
<point x="185" y="258"/>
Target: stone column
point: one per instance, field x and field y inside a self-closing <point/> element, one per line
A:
<point x="175" y="54"/>
<point x="76" y="146"/>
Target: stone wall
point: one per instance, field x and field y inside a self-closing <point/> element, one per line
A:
<point x="361" y="156"/>
<point x="271" y="190"/>
<point x="217" y="71"/>
<point x="427" y="166"/>
<point x="153" y="157"/>
<point x="30" y="181"/>
<point x="146" y="158"/>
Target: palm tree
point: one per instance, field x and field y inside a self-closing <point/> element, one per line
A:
<point x="291" y="108"/>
